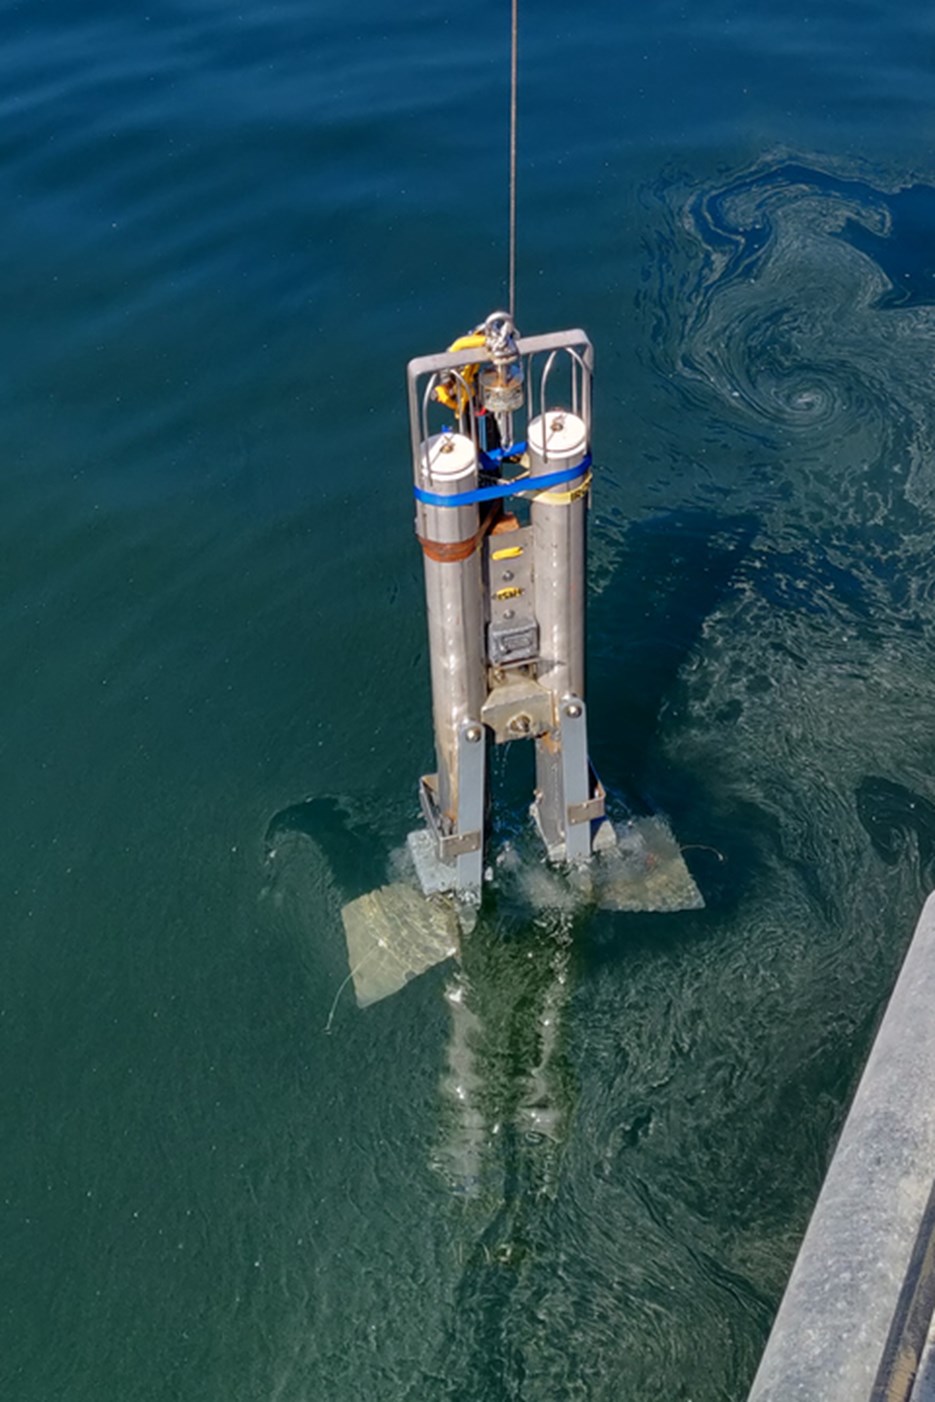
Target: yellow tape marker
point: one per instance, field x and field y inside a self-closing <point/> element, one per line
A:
<point x="511" y="593"/>
<point x="563" y="498"/>
<point x="508" y="554"/>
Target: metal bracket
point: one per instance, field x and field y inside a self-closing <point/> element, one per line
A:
<point x="517" y="709"/>
<point x="459" y="846"/>
<point x="570" y="799"/>
<point x="472" y="774"/>
<point x="576" y="776"/>
<point x="596" y="805"/>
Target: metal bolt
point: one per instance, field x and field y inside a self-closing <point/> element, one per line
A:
<point x="507" y="574"/>
<point x="520" y="724"/>
<point x="509" y="613"/>
<point x="573" y="710"/>
<point x="473" y="733"/>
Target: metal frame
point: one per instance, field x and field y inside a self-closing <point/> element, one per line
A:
<point x="444" y="362"/>
<point x="569" y="800"/>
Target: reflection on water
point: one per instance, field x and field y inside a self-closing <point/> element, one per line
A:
<point x="505" y="1090"/>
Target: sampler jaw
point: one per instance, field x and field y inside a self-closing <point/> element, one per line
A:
<point x="399" y="931"/>
<point x="501" y="433"/>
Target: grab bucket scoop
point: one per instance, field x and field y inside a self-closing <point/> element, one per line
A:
<point x="501" y="452"/>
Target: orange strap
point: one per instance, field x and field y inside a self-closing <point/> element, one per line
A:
<point x="451" y="552"/>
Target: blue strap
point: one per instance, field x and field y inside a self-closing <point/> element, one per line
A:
<point x="504" y="489"/>
<point x="515" y="450"/>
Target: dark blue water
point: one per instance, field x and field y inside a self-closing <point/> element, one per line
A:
<point x="225" y="229"/>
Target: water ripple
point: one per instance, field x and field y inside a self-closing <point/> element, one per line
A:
<point x="784" y="314"/>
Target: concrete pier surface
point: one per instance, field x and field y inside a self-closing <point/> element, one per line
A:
<point x="856" y="1321"/>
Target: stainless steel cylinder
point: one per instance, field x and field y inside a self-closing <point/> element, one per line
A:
<point x="557" y="440"/>
<point x="454" y="600"/>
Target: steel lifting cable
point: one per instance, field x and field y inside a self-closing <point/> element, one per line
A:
<point x="514" y="52"/>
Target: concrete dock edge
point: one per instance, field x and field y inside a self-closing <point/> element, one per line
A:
<point x="837" y="1333"/>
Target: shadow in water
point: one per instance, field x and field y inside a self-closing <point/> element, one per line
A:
<point x="677" y="567"/>
<point x="353" y="848"/>
<point x="900" y="825"/>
